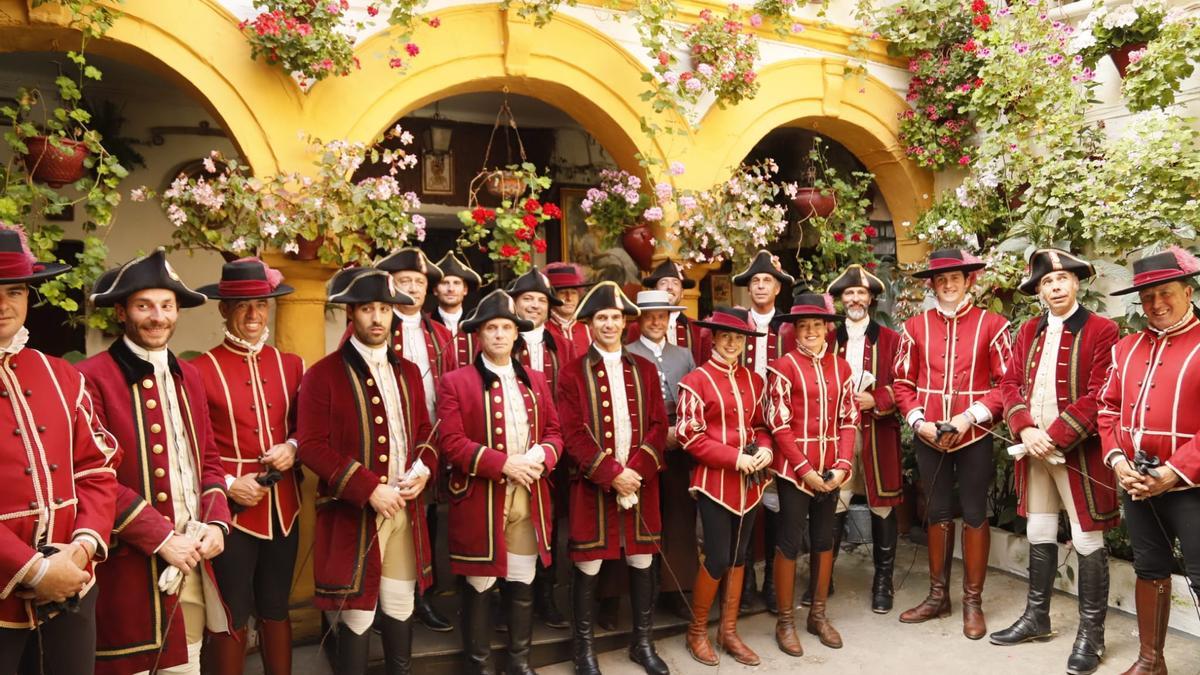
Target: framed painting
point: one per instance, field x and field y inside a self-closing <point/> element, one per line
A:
<point x="577" y="244"/>
<point x="437" y="174"/>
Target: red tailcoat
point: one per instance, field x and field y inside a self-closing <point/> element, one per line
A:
<point x="249" y="417"/>
<point x="1152" y="386"/>
<point x="132" y="619"/>
<point x="577" y="335"/>
<point x="437" y="342"/>
<point x="554" y="356"/>
<point x="720" y="411"/>
<point x="471" y="435"/>
<point x="343" y="434"/>
<point x="599" y="530"/>
<point x="945" y="365"/>
<point x="882" y="470"/>
<point x="812" y="413"/>
<point x="460" y="351"/>
<point x="1081" y="364"/>
<point x="58" y="470"/>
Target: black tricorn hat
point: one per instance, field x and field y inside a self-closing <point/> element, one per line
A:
<point x="148" y="271"/>
<point x="246" y="279"/>
<point x="411" y="260"/>
<point x="451" y="266"/>
<point x="668" y="269"/>
<point x="534" y="281"/>
<point x="17" y="264"/>
<point x="1174" y="264"/>
<point x="855" y="276"/>
<point x="1046" y="260"/>
<point x="495" y="305"/>
<point x="950" y="260"/>
<point x="605" y="295"/>
<point x="732" y="320"/>
<point x="764" y="262"/>
<point x="359" y="285"/>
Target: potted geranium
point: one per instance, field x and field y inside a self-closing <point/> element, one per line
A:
<point x="723" y="52"/>
<point x="844" y="231"/>
<point x="510" y="233"/>
<point x="1155" y="72"/>
<point x="1118" y="31"/>
<point x="619" y="211"/>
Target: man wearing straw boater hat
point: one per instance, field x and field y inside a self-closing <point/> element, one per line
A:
<point x="458" y="280"/>
<point x="721" y="424"/>
<point x="172" y="510"/>
<point x="870" y="349"/>
<point x="1051" y="398"/>
<point x="814" y="418"/>
<point x="500" y="435"/>
<point x="948" y="389"/>
<point x="669" y="277"/>
<point x="51" y="531"/>
<point x="615" y="429"/>
<point x="569" y="283"/>
<point x="365" y="432"/>
<point x="252" y="391"/>
<point x="1148" y="428"/>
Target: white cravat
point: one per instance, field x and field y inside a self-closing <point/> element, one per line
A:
<point x="417" y="351"/>
<point x="856" y="344"/>
<point x="535" y="343"/>
<point x="516" y="418"/>
<point x="451" y="320"/>
<point x="18" y="342"/>
<point x="763" y="323"/>
<point x="1043" y="396"/>
<point x="672" y="334"/>
<point x="381" y="370"/>
<point x="252" y="347"/>
<point x="952" y="313"/>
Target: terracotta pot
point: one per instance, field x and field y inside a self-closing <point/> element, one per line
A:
<point x="308" y="248"/>
<point x="811" y="202"/>
<point x="1120" y="56"/>
<point x="638" y="242"/>
<point x="505" y="184"/>
<point x="54" y="166"/>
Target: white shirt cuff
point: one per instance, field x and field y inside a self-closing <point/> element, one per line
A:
<point x="1109" y="460"/>
<point x="164" y="542"/>
<point x="980" y="412"/>
<point x="915" y="416"/>
<point x="536" y="454"/>
<point x="418" y="469"/>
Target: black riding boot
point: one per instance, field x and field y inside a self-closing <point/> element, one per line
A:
<point x="351" y="651"/>
<point x="543" y="598"/>
<point x="397" y="645"/>
<point x="1034" y="624"/>
<point x="641" y="649"/>
<point x="583" y="593"/>
<point x="476" y="630"/>
<point x="520" y="628"/>
<point x="883" y="548"/>
<point x="768" y="587"/>
<point x="1093" y="608"/>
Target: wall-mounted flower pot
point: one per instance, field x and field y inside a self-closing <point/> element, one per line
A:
<point x="53" y="166"/>
<point x="638" y="242"/>
<point x="1120" y="56"/>
<point x="812" y="202"/>
<point x="308" y="248"/>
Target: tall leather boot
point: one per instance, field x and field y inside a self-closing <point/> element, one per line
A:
<point x="768" y="586"/>
<point x="1034" y="624"/>
<point x="839" y="527"/>
<point x="976" y="543"/>
<point x="937" y="604"/>
<point x="352" y="650"/>
<point x="785" y="597"/>
<point x="544" y="604"/>
<point x="1093" y="609"/>
<point x="583" y="594"/>
<point x="520" y="628"/>
<point x="476" y="630"/>
<point x="883" y="550"/>
<point x="704" y="592"/>
<point x="1153" y="600"/>
<point x="641" y="649"/>
<point x="397" y="645"/>
<point x="225" y="653"/>
<point x="818" y="622"/>
<point x="727" y="636"/>
<point x="749" y="592"/>
<point x="275" y="646"/>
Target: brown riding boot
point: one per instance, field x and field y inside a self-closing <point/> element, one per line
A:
<point x="1153" y="600"/>
<point x="225" y="653"/>
<point x="703" y="593"/>
<point x="937" y="604"/>
<point x="976" y="542"/>
<point x="727" y="636"/>
<point x="785" y="597"/>
<point x="275" y="646"/>
<point x="818" y="623"/>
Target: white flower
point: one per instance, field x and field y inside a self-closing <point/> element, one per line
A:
<point x="406" y="138"/>
<point x="176" y="215"/>
<point x="653" y="214"/>
<point x="270" y="229"/>
<point x="137" y="194"/>
<point x="1121" y="17"/>
<point x="239" y="244"/>
<point x="1080" y="41"/>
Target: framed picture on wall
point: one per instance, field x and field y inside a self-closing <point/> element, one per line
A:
<point x="437" y="174"/>
<point x="577" y="244"/>
<point x="722" y="289"/>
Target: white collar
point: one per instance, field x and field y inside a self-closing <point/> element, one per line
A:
<point x="502" y="371"/>
<point x="1056" y="321"/>
<point x="156" y="358"/>
<point x="535" y="336"/>
<point x="18" y="341"/>
<point x="950" y="315"/>
<point x="655" y="347"/>
<point x="410" y="321"/>
<point x="375" y="356"/>
<point x="762" y="319"/>
<point x="252" y="347"/>
<point x="453" y="316"/>
<point x="815" y="355"/>
<point x="673" y="318"/>
<point x="857" y="329"/>
<point x="609" y="357"/>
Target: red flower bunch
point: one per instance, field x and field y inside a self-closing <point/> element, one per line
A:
<point x="302" y="37"/>
<point x="509" y="233"/>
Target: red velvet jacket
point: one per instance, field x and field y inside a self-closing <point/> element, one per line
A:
<point x="554" y="356"/>
<point x="945" y="365"/>
<point x="249" y="417"/>
<point x="883" y="473"/>
<point x="460" y="351"/>
<point x="576" y="335"/>
<point x="472" y="407"/>
<point x="339" y="401"/>
<point x="720" y="412"/>
<point x="57" y="466"/>
<point x="812" y="413"/>
<point x="438" y="341"/>
<point x="1152" y="385"/>
<point x="599" y="530"/>
<point x="1080" y="367"/>
<point x="132" y="619"/>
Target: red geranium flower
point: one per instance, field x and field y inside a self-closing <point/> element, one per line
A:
<point x="551" y="211"/>
<point x="870" y="231"/>
<point x="531" y="205"/>
<point x="979" y="6"/>
<point x="530" y="220"/>
<point x="872" y="265"/>
<point x="435" y="22"/>
<point x="526" y="257"/>
<point x="412" y="49"/>
<point x="508" y="250"/>
<point x="539" y="245"/>
<point x="839" y="237"/>
<point x="372" y="10"/>
<point x="396" y="63"/>
<point x="524" y="234"/>
<point x="982" y="21"/>
<point x="481" y="215"/>
<point x="856" y="237"/>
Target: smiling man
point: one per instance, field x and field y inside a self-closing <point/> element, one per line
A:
<point x="569" y="283"/>
<point x="669" y="277"/>
<point x="1148" y="414"/>
<point x="458" y="280"/>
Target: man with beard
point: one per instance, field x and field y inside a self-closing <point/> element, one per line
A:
<point x="568" y="282"/>
<point x="947" y="385"/>
<point x="254" y="427"/>
<point x="1148" y="430"/>
<point x="172" y="510"/>
<point x="47" y="548"/>
<point x="501" y="439"/>
<point x="458" y="279"/>
<point x="669" y="277"/>
<point x="1051" y="399"/>
<point x="615" y="429"/>
<point x="364" y="431"/>
<point x="870" y="349"/>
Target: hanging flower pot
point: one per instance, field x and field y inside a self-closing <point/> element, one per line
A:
<point x="308" y="248"/>
<point x="504" y="184"/>
<point x="1120" y="56"/>
<point x="638" y="242"/>
<point x="812" y="202"/>
<point x="55" y="166"/>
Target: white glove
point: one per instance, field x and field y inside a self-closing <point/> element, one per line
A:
<point x="627" y="502"/>
<point x="866" y="380"/>
<point x="1018" y="451"/>
<point x="536" y="454"/>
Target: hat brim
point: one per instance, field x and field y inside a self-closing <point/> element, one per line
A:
<point x="720" y="327"/>
<point x="49" y="271"/>
<point x="585" y="284"/>
<point x="1030" y="286"/>
<point x="185" y="297"/>
<point x="825" y="316"/>
<point x="964" y="268"/>
<point x="662" y="308"/>
<point x="651" y="282"/>
<point x="1157" y="282"/>
<point x="472" y="325"/>
<point x="212" y="292"/>
<point x="744" y="278"/>
<point x="554" y="301"/>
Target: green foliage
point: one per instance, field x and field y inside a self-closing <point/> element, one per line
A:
<point x="1107" y="29"/>
<point x="540" y="11"/>
<point x="845" y="234"/>
<point x="510" y="234"/>
<point x="1156" y="72"/>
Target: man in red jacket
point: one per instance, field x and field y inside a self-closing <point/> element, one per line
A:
<point x="364" y="430"/>
<point x="254" y="424"/>
<point x="615" y="429"/>
<point x="569" y="282"/>
<point x="948" y="389"/>
<point x="1051" y="399"/>
<point x="500" y="436"/>
<point x="59" y="454"/>
<point x="172" y="511"/>
<point x="458" y="280"/>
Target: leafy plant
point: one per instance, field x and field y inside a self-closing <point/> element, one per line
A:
<point x="1106" y="29"/>
<point x="617" y="204"/>
<point x="1156" y="71"/>
<point x="846" y="233"/>
<point x="541" y="11"/>
<point x="509" y="234"/>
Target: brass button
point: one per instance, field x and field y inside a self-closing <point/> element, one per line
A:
<point x="29" y="471"/>
<point x="383" y="459"/>
<point x="495" y="385"/>
<point x="378" y="419"/>
<point x="161" y="497"/>
<point x="383" y="479"/>
<point x="375" y="400"/>
<point x="499" y="415"/>
<point x="600" y="374"/>
<point x="603" y="388"/>
<point x="498" y="399"/>
<point x="604" y="403"/>
<point x="159" y="472"/>
<point x="608" y="451"/>
<point x="157" y="449"/>
<point x="41" y="428"/>
<point x="53" y="467"/>
<point x="17" y="432"/>
<point x="152" y="404"/>
<point x="382" y="439"/>
<point x="370" y="382"/>
<point x="155" y="428"/>
<point x="608" y="418"/>
<point x="608" y="434"/>
<point x="147" y="383"/>
<point x="499" y="430"/>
